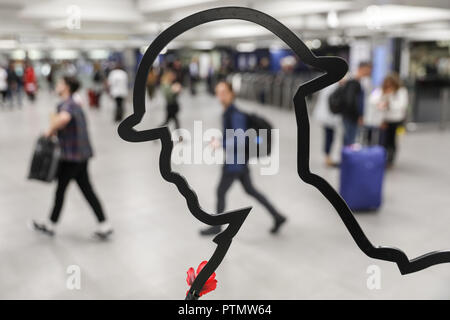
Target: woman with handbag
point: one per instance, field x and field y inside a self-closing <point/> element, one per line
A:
<point x="392" y="100"/>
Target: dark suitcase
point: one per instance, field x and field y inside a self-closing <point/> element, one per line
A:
<point x="44" y="164"/>
<point x="361" y="180"/>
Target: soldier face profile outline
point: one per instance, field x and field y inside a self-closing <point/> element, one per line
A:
<point x="334" y="69"/>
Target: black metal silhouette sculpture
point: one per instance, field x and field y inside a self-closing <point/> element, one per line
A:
<point x="334" y="67"/>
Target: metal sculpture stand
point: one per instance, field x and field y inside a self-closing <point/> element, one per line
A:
<point x="334" y="67"/>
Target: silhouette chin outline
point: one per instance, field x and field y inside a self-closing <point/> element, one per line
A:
<point x="334" y="67"/>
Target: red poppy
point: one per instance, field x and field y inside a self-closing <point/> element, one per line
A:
<point x="209" y="285"/>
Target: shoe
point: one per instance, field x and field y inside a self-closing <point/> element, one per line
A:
<point x="336" y="165"/>
<point x="42" y="227"/>
<point x="331" y="164"/>
<point x="278" y="223"/>
<point x="211" y="231"/>
<point x="103" y="235"/>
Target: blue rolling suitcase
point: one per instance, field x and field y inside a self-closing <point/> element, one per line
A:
<point x="361" y="181"/>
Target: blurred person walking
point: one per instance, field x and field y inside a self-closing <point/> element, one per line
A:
<point x="3" y="85"/>
<point x="374" y="133"/>
<point x="194" y="75"/>
<point x="97" y="86"/>
<point x="29" y="80"/>
<point x="152" y="82"/>
<point x="171" y="88"/>
<point x="69" y="68"/>
<point x="51" y="77"/>
<point x="262" y="71"/>
<point x="354" y="99"/>
<point x="14" y="84"/>
<point x="392" y="98"/>
<point x="70" y="126"/>
<point x="180" y="72"/>
<point x="328" y="120"/>
<point x="118" y="89"/>
<point x="235" y="119"/>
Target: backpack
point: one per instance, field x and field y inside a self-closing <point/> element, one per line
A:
<point x="263" y="148"/>
<point x="337" y="101"/>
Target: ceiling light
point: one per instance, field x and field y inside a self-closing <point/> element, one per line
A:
<point x="289" y="8"/>
<point x="151" y="6"/>
<point x="335" y="41"/>
<point x="316" y="43"/>
<point x="373" y="17"/>
<point x="8" y="44"/>
<point x="245" y="47"/>
<point x="18" y="54"/>
<point x="98" y="54"/>
<point x="64" y="54"/>
<point x="202" y="45"/>
<point x="35" y="54"/>
<point x="332" y="19"/>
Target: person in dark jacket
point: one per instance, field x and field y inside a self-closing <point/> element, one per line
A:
<point x="234" y="169"/>
<point x="352" y="115"/>
<point x="171" y="89"/>
<point x="14" y="85"/>
<point x="70" y="126"/>
<point x="98" y="83"/>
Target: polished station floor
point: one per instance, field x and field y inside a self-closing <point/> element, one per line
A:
<point x="156" y="239"/>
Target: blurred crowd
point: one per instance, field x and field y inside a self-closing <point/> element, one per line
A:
<point x="16" y="79"/>
<point x="364" y="114"/>
<point x="372" y="115"/>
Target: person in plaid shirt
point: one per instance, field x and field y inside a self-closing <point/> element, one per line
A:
<point x="73" y="139"/>
<point x="71" y="129"/>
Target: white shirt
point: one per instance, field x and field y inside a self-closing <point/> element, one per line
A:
<point x="118" y="83"/>
<point x="396" y="110"/>
<point x="3" y="79"/>
<point x="193" y="69"/>
<point x="373" y="115"/>
<point x="398" y="105"/>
